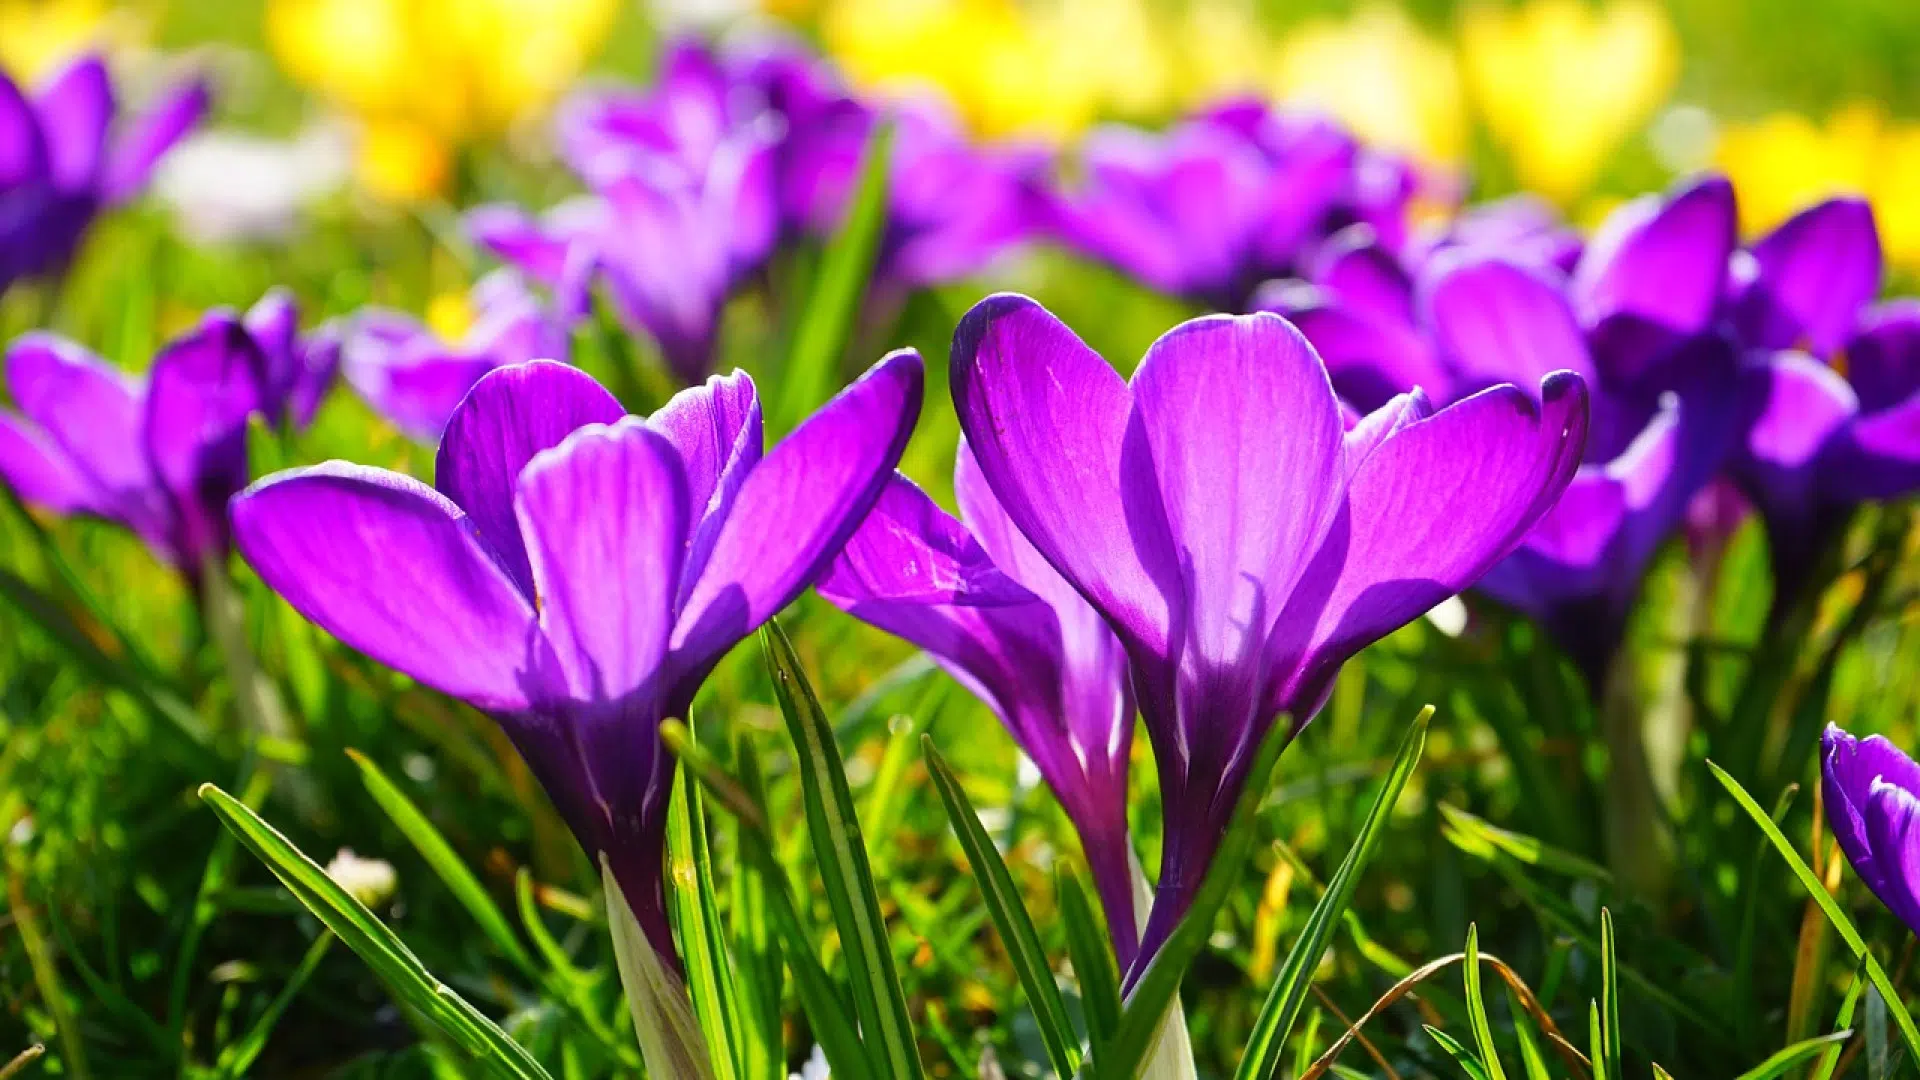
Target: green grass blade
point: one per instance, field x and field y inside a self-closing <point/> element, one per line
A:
<point x="1532" y="1061"/>
<point x="1010" y="916"/>
<point x="1092" y="955"/>
<point x="1477" y="1008"/>
<point x="1477" y="837"/>
<point x="239" y="1056"/>
<point x="374" y="943"/>
<point x="837" y="846"/>
<point x="1843" y="1020"/>
<point x="702" y="935"/>
<point x="1782" y="1061"/>
<point x="756" y="948"/>
<point x="1597" y="1043"/>
<point x="834" y="304"/>
<point x="1261" y="1059"/>
<point x="1609" y="999"/>
<point x="446" y="863"/>
<point x="1828" y="906"/>
<point x="1461" y="1056"/>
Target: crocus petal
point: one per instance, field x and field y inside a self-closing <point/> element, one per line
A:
<point x="1358" y="270"/>
<point x="1401" y="548"/>
<point x="510" y="415"/>
<point x="520" y="239"/>
<point x="1046" y="417"/>
<point x="135" y="152"/>
<point x="1370" y="359"/>
<point x="1883" y="359"/>
<point x="38" y="471"/>
<point x="200" y="393"/>
<point x="394" y="569"/>
<point x="23" y="148"/>
<point x="75" y="110"/>
<point x="1655" y="272"/>
<point x="1811" y="278"/>
<point x="1499" y="322"/>
<point x="1849" y="767"/>
<point x="716" y="428"/>
<point x="797" y="507"/>
<point x="92" y="412"/>
<point x="1246" y="500"/>
<point x="1797" y="405"/>
<point x="419" y="395"/>
<point x="604" y="519"/>
<point x="1893" y="832"/>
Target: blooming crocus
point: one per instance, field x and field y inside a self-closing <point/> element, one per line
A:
<point x="1240" y="561"/>
<point x="66" y="155"/>
<point x="414" y="378"/>
<point x="1225" y="200"/>
<point x="296" y="369"/>
<point x="1636" y="317"/>
<point x="159" y="456"/>
<point x="576" y="572"/>
<point x="994" y="614"/>
<point x="1872" y="793"/>
<point x="1560" y="82"/>
<point x="1830" y="392"/>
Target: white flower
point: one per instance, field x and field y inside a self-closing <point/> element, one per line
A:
<point x="814" y="1069"/>
<point x="226" y="186"/>
<point x="371" y="881"/>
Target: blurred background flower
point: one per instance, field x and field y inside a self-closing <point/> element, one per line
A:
<point x="424" y="78"/>
<point x="38" y="36"/>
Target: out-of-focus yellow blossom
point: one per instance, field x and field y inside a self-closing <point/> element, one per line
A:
<point x="1050" y="69"/>
<point x="426" y="76"/>
<point x="1560" y="83"/>
<point x="1379" y="73"/>
<point x="37" y="36"/>
<point x="1781" y="163"/>
<point x="450" y="315"/>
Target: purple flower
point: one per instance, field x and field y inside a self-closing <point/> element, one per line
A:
<point x="414" y="379"/>
<point x="670" y="242"/>
<point x="576" y="572"/>
<point x="298" y="368"/>
<point x="1637" y="318"/>
<point x="1241" y="561"/>
<point x="1815" y="441"/>
<point x="1872" y="792"/>
<point x="1223" y="201"/>
<point x="63" y="159"/>
<point x="952" y="207"/>
<point x="990" y="610"/>
<point x="159" y="455"/>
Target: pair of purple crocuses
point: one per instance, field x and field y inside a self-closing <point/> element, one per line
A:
<point x="1160" y="545"/>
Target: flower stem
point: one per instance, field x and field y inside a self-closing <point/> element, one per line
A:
<point x="257" y="705"/>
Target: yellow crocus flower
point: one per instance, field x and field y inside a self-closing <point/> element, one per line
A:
<point x="1785" y="161"/>
<point x="1559" y="83"/>
<point x="38" y="36"/>
<point x="427" y="76"/>
<point x="1384" y="77"/>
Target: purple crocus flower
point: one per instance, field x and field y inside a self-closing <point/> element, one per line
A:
<point x="298" y="369"/>
<point x="1819" y="439"/>
<point x="670" y="242"/>
<point x="63" y="159"/>
<point x="1872" y="793"/>
<point x="1223" y="201"/>
<point x="1003" y="622"/>
<point x="1241" y="561"/>
<point x="415" y="380"/>
<point x="576" y="572"/>
<point x="159" y="455"/>
<point x="1637" y="317"/>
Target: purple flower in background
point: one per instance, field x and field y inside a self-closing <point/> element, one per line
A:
<point x="64" y="159"/>
<point x="669" y="240"/>
<point x="1872" y="792"/>
<point x="1636" y="317"/>
<point x="1226" y="200"/>
<point x="994" y="614"/>
<point x="1241" y="561"/>
<point x="159" y="455"/>
<point x="953" y="207"/>
<point x="414" y="379"/>
<point x="576" y="573"/>
<point x="1818" y="439"/>
<point x="297" y="369"/>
